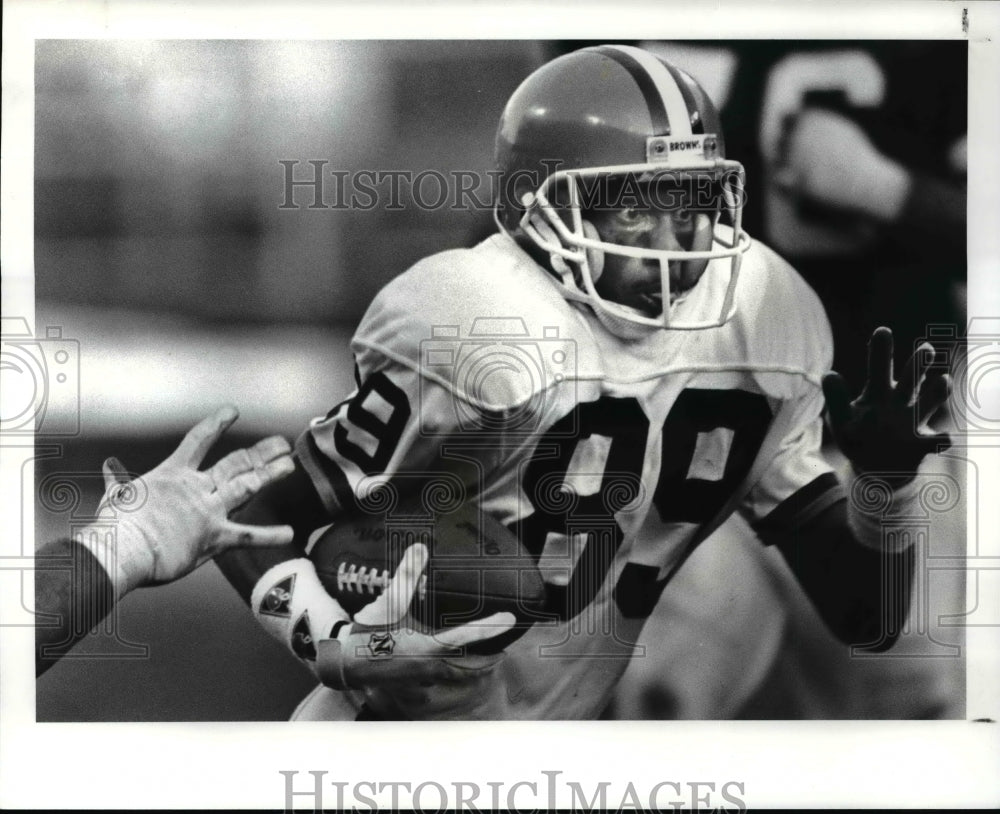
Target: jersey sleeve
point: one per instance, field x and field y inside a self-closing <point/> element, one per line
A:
<point x="415" y="419"/>
<point x="71" y="586"/>
<point x="395" y="430"/>
<point x="446" y="390"/>
<point x="797" y="481"/>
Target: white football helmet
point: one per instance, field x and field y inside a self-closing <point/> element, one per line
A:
<point x="619" y="114"/>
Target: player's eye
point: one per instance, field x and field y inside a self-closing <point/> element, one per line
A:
<point x="633" y="215"/>
<point x="682" y="218"/>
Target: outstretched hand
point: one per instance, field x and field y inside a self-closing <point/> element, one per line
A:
<point x="175" y="517"/>
<point x="885" y="429"/>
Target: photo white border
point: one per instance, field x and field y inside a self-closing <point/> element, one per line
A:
<point x="236" y="765"/>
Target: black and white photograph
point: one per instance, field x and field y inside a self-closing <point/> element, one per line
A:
<point x="497" y="416"/>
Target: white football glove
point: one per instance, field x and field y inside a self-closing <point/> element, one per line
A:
<point x="378" y="650"/>
<point x="166" y="523"/>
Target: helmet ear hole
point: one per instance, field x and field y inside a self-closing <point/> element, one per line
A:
<point x="595" y="257"/>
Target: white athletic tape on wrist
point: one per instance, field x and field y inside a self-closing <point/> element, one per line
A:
<point x="292" y="605"/>
<point x="869" y="527"/>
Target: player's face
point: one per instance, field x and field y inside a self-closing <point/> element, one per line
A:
<point x="636" y="282"/>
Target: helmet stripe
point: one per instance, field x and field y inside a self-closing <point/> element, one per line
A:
<point x="697" y="126"/>
<point x="664" y="98"/>
<point x="654" y="100"/>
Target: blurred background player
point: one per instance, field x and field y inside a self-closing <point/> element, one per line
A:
<point x="859" y="155"/>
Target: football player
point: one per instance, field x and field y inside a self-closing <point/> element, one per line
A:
<point x="612" y="375"/>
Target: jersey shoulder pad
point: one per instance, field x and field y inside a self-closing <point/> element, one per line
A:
<point x="781" y="319"/>
<point x="486" y="323"/>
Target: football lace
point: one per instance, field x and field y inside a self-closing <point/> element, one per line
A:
<point x="365" y="580"/>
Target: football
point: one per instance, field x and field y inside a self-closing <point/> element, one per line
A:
<point x="476" y="568"/>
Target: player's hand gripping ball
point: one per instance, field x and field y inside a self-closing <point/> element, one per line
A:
<point x="476" y="568"/>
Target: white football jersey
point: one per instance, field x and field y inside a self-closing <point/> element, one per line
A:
<point x="612" y="459"/>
